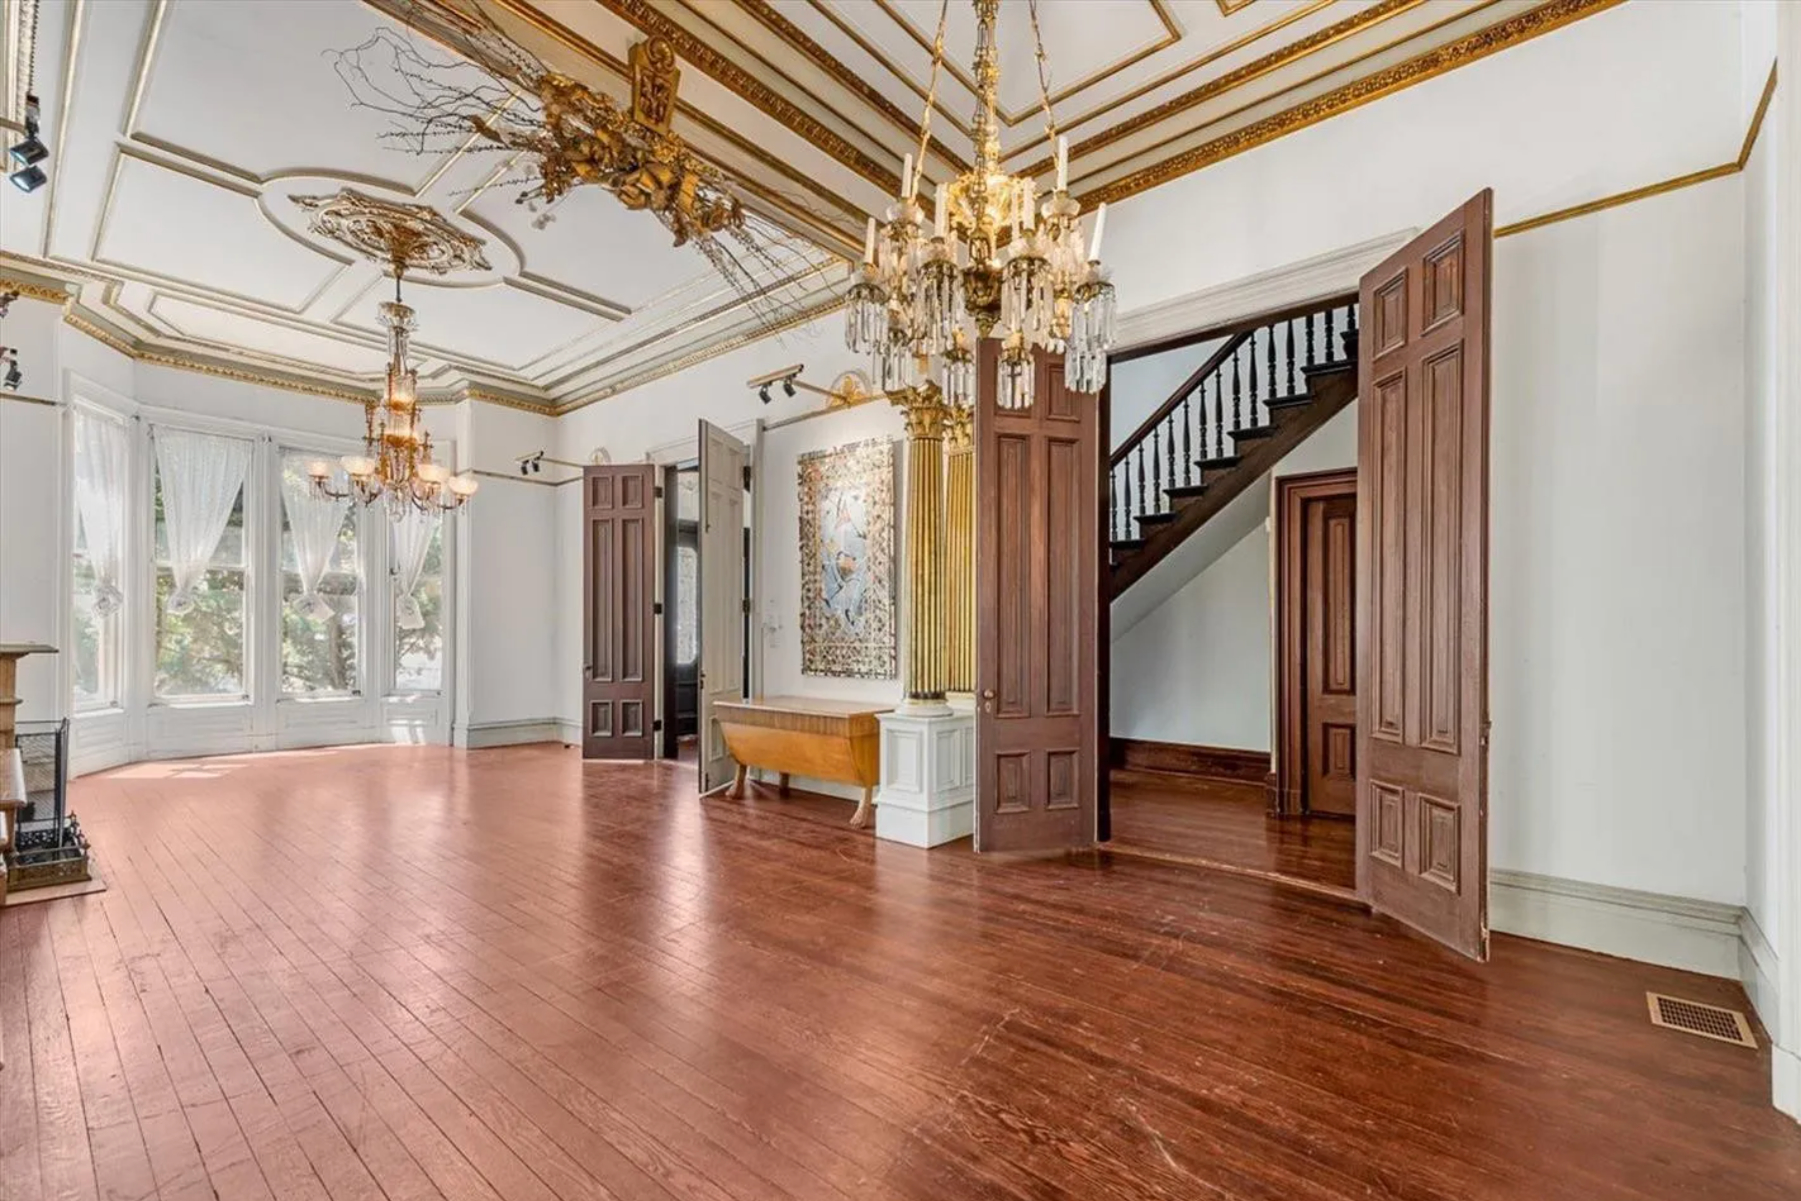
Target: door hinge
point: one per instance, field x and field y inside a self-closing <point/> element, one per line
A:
<point x="745" y="605"/>
<point x="747" y="479"/>
<point x="656" y="608"/>
<point x="657" y="491"/>
<point x="656" y="725"/>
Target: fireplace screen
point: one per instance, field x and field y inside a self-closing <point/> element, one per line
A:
<point x="49" y="848"/>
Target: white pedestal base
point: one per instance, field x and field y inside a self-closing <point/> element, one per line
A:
<point x="928" y="792"/>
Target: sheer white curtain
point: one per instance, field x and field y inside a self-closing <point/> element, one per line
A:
<point x="100" y="466"/>
<point x="313" y="524"/>
<point x="412" y="541"/>
<point x="201" y="476"/>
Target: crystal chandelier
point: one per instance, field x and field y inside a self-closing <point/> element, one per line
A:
<point x="396" y="465"/>
<point x="993" y="257"/>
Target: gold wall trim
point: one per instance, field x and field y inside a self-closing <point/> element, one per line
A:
<point x="32" y="289"/>
<point x="1465" y="50"/>
<point x="648" y="20"/>
<point x="1660" y="188"/>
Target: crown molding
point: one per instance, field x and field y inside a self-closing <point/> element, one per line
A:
<point x="1471" y="48"/>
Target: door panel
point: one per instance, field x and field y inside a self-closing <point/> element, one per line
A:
<point x="1038" y="537"/>
<point x="1329" y="539"/>
<point x="618" y="605"/>
<point x="1422" y="583"/>
<point x="722" y="594"/>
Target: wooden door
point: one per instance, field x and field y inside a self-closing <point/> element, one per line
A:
<point x="618" y="610"/>
<point x="722" y="594"/>
<point x="1039" y="530"/>
<point x="1329" y="698"/>
<point x="1422" y="582"/>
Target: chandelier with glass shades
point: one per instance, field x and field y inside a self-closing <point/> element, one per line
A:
<point x="396" y="466"/>
<point x="993" y="257"/>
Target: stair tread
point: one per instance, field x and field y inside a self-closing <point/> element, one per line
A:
<point x="1155" y="518"/>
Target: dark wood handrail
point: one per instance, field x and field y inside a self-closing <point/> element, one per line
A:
<point x="1236" y="326"/>
<point x="1182" y="391"/>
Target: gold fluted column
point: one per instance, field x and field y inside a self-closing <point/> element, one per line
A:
<point x="928" y="660"/>
<point x="960" y="549"/>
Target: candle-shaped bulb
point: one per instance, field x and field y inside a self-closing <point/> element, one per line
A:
<point x="869" y="244"/>
<point x="941" y="209"/>
<point x="1100" y="227"/>
<point x="907" y="178"/>
<point x="1063" y="162"/>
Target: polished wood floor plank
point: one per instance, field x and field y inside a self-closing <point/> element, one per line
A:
<point x="1227" y="823"/>
<point x="409" y="973"/>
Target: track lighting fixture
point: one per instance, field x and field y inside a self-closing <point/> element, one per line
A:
<point x="532" y="464"/>
<point x="26" y="155"/>
<point x="788" y="385"/>
<point x="13" y="377"/>
<point x="763" y="394"/>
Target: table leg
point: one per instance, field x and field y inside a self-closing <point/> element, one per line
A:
<point x="737" y="792"/>
<point x="783" y="789"/>
<point x="860" y="818"/>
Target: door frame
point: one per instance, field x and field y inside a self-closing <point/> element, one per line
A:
<point x="1292" y="492"/>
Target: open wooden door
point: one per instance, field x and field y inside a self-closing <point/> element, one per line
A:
<point x="1039" y="530"/>
<point x="619" y="550"/>
<point x="722" y="593"/>
<point x="1422" y="583"/>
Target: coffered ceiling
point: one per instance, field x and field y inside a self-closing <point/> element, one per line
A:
<point x="196" y="122"/>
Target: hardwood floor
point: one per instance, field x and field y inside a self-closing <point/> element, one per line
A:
<point x="1227" y="823"/>
<point x="407" y="972"/>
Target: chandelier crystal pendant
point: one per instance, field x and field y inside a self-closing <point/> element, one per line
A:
<point x="396" y="465"/>
<point x="993" y="258"/>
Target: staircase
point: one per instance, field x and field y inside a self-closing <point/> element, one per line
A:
<point x="1272" y="383"/>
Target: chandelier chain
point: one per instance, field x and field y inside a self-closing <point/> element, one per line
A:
<point x="910" y="187"/>
<point x="1044" y="73"/>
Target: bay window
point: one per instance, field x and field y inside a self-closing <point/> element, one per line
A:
<point x="418" y="573"/>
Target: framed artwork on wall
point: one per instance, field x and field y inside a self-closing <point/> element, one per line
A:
<point x="848" y="624"/>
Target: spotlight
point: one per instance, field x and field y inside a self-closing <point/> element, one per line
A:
<point x="788" y="385"/>
<point x="31" y="151"/>
<point x="763" y="394"/>
<point x="532" y="464"/>
<point x="13" y="377"/>
<point x="29" y="180"/>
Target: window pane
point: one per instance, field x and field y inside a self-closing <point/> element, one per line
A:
<point x="318" y="625"/>
<point x="419" y="653"/>
<point x="200" y="650"/>
<point x="90" y="692"/>
<point x="687" y="605"/>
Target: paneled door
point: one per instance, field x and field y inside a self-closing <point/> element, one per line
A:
<point x="619" y="552"/>
<point x="722" y="593"/>
<point x="1422" y="582"/>
<point x="1039" y="531"/>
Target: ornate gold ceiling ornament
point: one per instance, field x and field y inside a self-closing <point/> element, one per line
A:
<point x="402" y="237"/>
<point x="569" y="134"/>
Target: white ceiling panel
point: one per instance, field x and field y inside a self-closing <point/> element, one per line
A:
<point x="219" y="327"/>
<point x="182" y="227"/>
<point x="498" y="325"/>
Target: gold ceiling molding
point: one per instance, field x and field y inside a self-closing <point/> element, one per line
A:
<point x="1660" y="188"/>
<point x="820" y="57"/>
<point x="32" y="288"/>
<point x="649" y="21"/>
<point x="1313" y="43"/>
<point x="1228" y="7"/>
<point x="1504" y="34"/>
<point x="1172" y="33"/>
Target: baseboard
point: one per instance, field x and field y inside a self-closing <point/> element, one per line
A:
<point x="480" y="735"/>
<point x="1757" y="972"/>
<point x="1785" y="1081"/>
<point x="1180" y="758"/>
<point x="1678" y="932"/>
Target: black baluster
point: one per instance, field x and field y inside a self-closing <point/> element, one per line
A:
<point x="1187" y="448"/>
<point x="1288" y="354"/>
<point x="1251" y="342"/>
<point x="1351" y="326"/>
<point x="1269" y="350"/>
<point x="1156" y="473"/>
<point x="1333" y="352"/>
<point x="1311" y="360"/>
<point x="1237" y="398"/>
<point x="1169" y="454"/>
<point x="1141" y="509"/>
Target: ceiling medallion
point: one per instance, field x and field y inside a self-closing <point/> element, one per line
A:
<point x="992" y="258"/>
<point x="569" y="134"/>
<point x="396" y="465"/>
<point x="416" y="237"/>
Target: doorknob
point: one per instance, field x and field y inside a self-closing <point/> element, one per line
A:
<point x="987" y="694"/>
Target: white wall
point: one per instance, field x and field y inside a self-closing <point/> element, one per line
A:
<point x="32" y="527"/>
<point x="1138" y="386"/>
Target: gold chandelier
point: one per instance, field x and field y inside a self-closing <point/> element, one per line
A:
<point x="396" y="465"/>
<point x="993" y="257"/>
